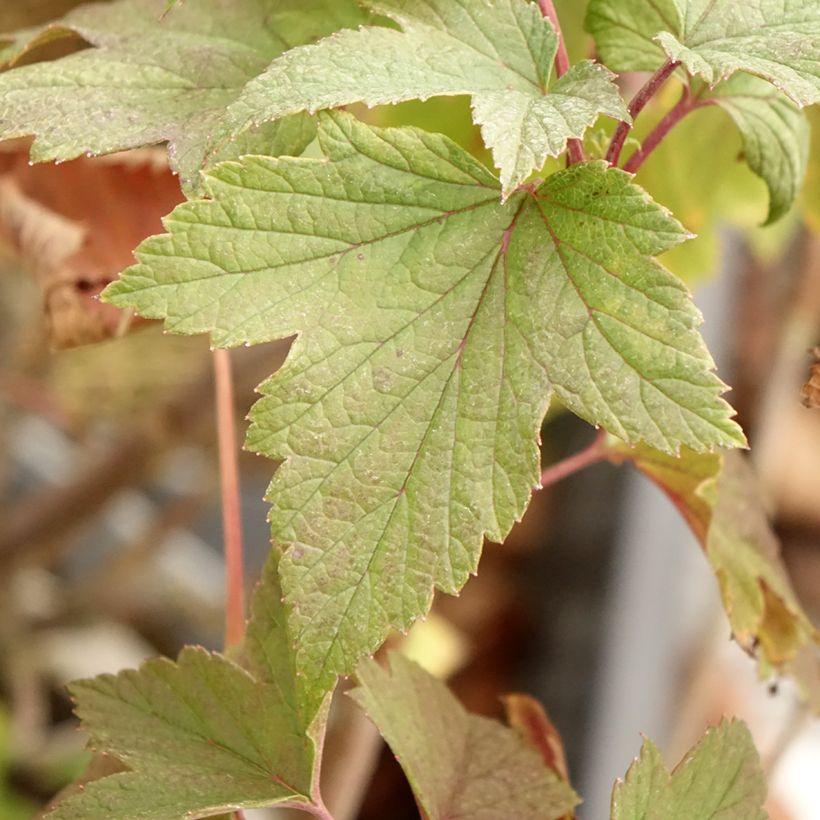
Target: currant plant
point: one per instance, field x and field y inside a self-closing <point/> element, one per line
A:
<point x="439" y="309"/>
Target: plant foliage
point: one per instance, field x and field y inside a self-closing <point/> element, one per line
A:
<point x="438" y="309"/>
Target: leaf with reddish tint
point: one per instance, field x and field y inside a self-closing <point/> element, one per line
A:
<point x="461" y="766"/>
<point x="718" y="496"/>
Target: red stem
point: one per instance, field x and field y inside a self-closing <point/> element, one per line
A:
<point x="575" y="148"/>
<point x="639" y="101"/>
<point x="596" y="452"/>
<point x="231" y="517"/>
<point x="686" y="104"/>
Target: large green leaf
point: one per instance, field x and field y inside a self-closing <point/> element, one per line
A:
<point x="775" y="137"/>
<point x="719" y="779"/>
<point x="499" y="52"/>
<point x="461" y="766"/>
<point x="149" y="80"/>
<point x="203" y="734"/>
<point x="774" y="39"/>
<point x="718" y="496"/>
<point x="435" y="323"/>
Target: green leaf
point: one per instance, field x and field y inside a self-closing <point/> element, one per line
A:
<point x="149" y="80"/>
<point x="718" y="496"/>
<point x="203" y="735"/>
<point x="718" y="778"/>
<point x="500" y="54"/>
<point x="435" y="323"/>
<point x="459" y="765"/>
<point x="713" y="39"/>
<point x="775" y="137"/>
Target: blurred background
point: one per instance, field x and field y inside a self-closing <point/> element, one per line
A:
<point x="600" y="604"/>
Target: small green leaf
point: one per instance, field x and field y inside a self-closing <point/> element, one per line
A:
<point x="435" y="323"/>
<point x="459" y="765"/>
<point x="718" y="496"/>
<point x="775" y="137"/>
<point x="150" y="78"/>
<point x="202" y="735"/>
<point x="500" y="54"/>
<point x="719" y="779"/>
<point x="772" y="39"/>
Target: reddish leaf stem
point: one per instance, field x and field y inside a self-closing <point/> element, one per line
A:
<point x="231" y="517"/>
<point x="596" y="452"/>
<point x="575" y="148"/>
<point x="685" y="105"/>
<point x="639" y="101"/>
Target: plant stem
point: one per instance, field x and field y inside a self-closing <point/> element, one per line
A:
<point x="231" y="517"/>
<point x="561" y="56"/>
<point x="686" y="104"/>
<point x="592" y="454"/>
<point x="575" y="148"/>
<point x="639" y="101"/>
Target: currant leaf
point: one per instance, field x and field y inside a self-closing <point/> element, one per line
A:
<point x="459" y="765"/>
<point x="775" y="137"/>
<point x="772" y="39"/>
<point x="719" y="778"/>
<point x="203" y="734"/>
<point x="151" y="78"/>
<point x="498" y="53"/>
<point x="435" y="323"/>
<point x="718" y="495"/>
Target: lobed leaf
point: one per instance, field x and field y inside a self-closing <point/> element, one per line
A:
<point x="773" y="39"/>
<point x="718" y="496"/>
<point x="720" y="777"/>
<point x="775" y="137"/>
<point x="150" y="78"/>
<point x="500" y="53"/>
<point x="435" y="323"/>
<point x="203" y="735"/>
<point x="459" y="765"/>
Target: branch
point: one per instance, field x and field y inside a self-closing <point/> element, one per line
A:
<point x="575" y="148"/>
<point x="686" y="104"/>
<point x="596" y="452"/>
<point x="231" y="514"/>
<point x="637" y="105"/>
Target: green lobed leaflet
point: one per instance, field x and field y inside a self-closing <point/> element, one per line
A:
<point x="204" y="734"/>
<point x="434" y="323"/>
<point x="713" y="39"/>
<point x="151" y="77"/>
<point x="775" y="137"/>
<point x="460" y="765"/>
<point x="500" y="53"/>
<point x="720" y="778"/>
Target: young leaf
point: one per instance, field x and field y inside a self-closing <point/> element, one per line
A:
<point x="203" y="734"/>
<point x="459" y="765"/>
<point x="772" y="39"/>
<point x="148" y="80"/>
<point x="435" y="322"/>
<point x="717" y="494"/>
<point x="775" y="137"/>
<point x="500" y="53"/>
<point x="719" y="779"/>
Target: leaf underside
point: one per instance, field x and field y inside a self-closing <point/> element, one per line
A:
<point x="718" y="779"/>
<point x="499" y="53"/>
<point x="718" y="495"/>
<point x="203" y="734"/>
<point x="772" y="39"/>
<point x="461" y="766"/>
<point x="775" y="137"/>
<point x="148" y="80"/>
<point x="435" y="323"/>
